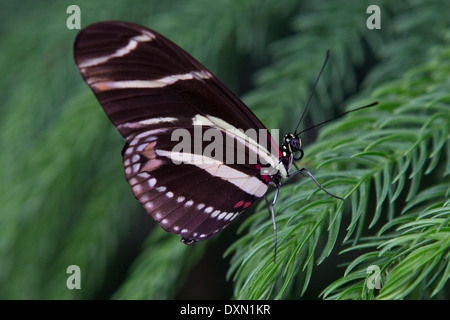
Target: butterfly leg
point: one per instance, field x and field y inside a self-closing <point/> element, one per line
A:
<point x="314" y="179"/>
<point x="272" y="214"/>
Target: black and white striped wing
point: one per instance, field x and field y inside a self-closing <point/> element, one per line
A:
<point x="153" y="91"/>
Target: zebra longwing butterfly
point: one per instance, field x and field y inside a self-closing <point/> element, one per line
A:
<point x="152" y="91"/>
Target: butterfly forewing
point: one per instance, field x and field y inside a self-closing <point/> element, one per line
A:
<point x="160" y="78"/>
<point x="150" y="88"/>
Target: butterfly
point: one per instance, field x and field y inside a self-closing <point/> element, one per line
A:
<point x="166" y="105"/>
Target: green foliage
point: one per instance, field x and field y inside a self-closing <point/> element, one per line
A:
<point x="376" y="156"/>
<point x="143" y="284"/>
<point x="365" y="151"/>
<point x="65" y="201"/>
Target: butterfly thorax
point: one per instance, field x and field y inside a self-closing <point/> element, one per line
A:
<point x="290" y="146"/>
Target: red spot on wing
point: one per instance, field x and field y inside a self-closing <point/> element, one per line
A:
<point x="240" y="203"/>
<point x="247" y="204"/>
<point x="264" y="177"/>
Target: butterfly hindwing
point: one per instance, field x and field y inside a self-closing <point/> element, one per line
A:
<point x="195" y="201"/>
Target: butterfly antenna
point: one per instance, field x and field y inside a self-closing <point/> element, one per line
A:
<point x="312" y="91"/>
<point x="319" y="124"/>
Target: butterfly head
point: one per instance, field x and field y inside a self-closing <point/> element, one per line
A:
<point x="294" y="142"/>
<point x="292" y="145"/>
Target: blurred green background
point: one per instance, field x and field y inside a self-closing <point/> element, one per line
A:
<point x="64" y="200"/>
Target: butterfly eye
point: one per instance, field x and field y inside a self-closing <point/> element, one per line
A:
<point x="295" y="144"/>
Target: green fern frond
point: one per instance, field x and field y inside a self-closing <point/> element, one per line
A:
<point x="390" y="146"/>
<point x="412" y="260"/>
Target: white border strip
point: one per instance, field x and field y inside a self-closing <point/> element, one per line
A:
<point x="158" y="83"/>
<point x="132" y="44"/>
